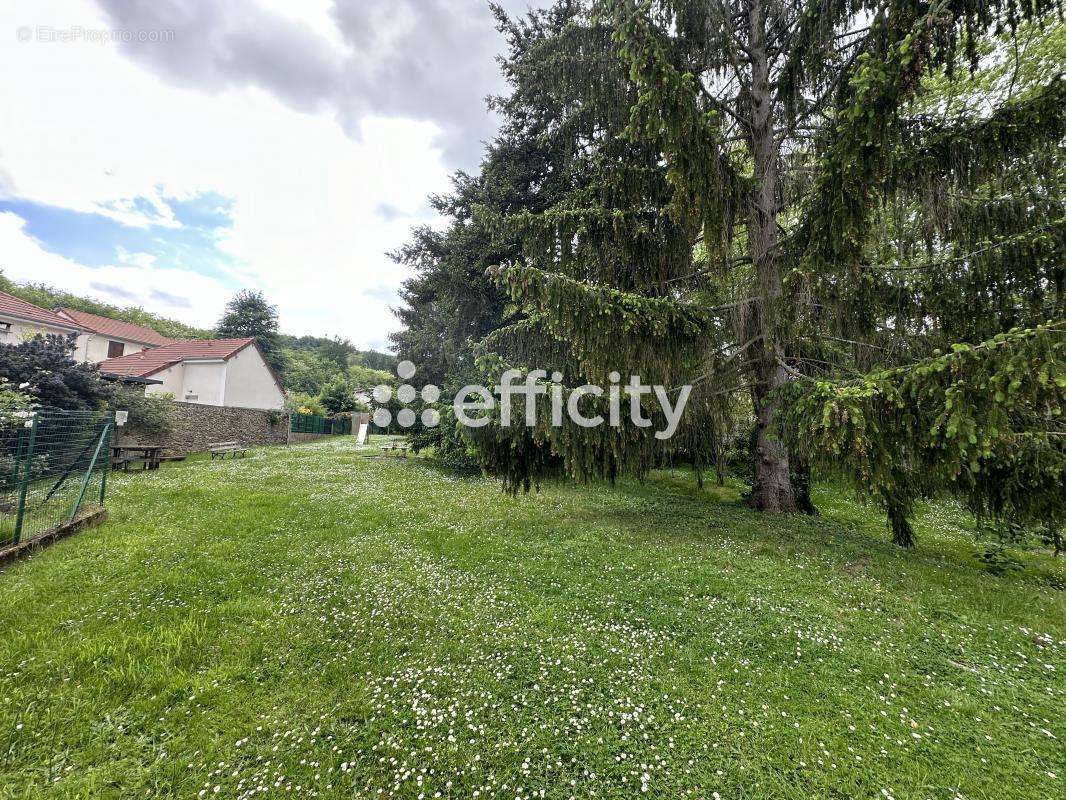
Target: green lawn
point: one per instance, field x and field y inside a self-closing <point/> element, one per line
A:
<point x="310" y="622"/>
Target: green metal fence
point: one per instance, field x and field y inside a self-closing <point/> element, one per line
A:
<point x="53" y="467"/>
<point x="315" y="423"/>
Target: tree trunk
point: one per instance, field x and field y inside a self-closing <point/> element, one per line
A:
<point x="801" y="484"/>
<point x="898" y="512"/>
<point x="772" y="490"/>
<point x="719" y="463"/>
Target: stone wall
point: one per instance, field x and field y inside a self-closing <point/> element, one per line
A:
<point x="196" y="426"/>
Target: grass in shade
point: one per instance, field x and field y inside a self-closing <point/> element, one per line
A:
<point x="311" y="622"/>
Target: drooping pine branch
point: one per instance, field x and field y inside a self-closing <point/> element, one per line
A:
<point x="667" y="112"/>
<point x="609" y="329"/>
<point x="983" y="422"/>
<point x="934" y="157"/>
<point x="837" y="214"/>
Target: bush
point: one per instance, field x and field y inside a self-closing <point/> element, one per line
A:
<point x="337" y="396"/>
<point x="740" y="457"/>
<point x="149" y="415"/>
<point x="998" y="537"/>
<point x="46" y="366"/>
<point x="15" y="400"/>
<point x="447" y="443"/>
<point x="303" y="403"/>
<point x="997" y="560"/>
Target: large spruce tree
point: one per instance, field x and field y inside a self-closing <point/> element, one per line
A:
<point x="850" y="212"/>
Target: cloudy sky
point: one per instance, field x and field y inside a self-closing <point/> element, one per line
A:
<point x="166" y="153"/>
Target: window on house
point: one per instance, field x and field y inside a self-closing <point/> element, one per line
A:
<point x="115" y="349"/>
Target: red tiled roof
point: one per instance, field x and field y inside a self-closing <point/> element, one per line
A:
<point x="113" y="327"/>
<point x="16" y="307"/>
<point x="147" y="362"/>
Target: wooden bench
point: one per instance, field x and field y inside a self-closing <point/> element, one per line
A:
<point x="221" y="449"/>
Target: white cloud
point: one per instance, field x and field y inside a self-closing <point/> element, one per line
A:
<point x="137" y="259"/>
<point x="418" y="59"/>
<point x="86" y="129"/>
<point x="194" y="298"/>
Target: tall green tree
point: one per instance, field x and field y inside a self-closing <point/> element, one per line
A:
<point x="338" y="396"/>
<point x="810" y="121"/>
<point x="451" y="304"/>
<point x="849" y="212"/>
<point x="372" y="359"/>
<point x="596" y="262"/>
<point x="249" y="315"/>
<point x="307" y="370"/>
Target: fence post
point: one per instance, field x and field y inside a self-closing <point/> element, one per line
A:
<point x="107" y="464"/>
<point x="24" y="483"/>
<point x="89" y="472"/>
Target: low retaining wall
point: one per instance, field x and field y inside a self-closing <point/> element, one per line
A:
<point x="195" y="426"/>
<point x="87" y="519"/>
<point x="295" y="438"/>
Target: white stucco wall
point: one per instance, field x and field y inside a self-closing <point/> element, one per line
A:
<point x="92" y="347"/>
<point x="192" y="382"/>
<point x="82" y="351"/>
<point x="244" y="381"/>
<point x="204" y="382"/>
<point x="249" y="383"/>
<point x="172" y="378"/>
<point x="24" y="331"/>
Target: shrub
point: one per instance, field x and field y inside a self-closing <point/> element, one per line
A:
<point x="149" y="415"/>
<point x="15" y="400"/>
<point x="46" y="364"/>
<point x="337" y="396"/>
<point x="303" y="403"/>
<point x="446" y="441"/>
<point x="998" y="537"/>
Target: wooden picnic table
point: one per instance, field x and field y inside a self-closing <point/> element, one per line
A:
<point x="122" y="455"/>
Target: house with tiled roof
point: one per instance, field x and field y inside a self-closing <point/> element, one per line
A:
<point x="215" y="372"/>
<point x="20" y="321"/>
<point x="103" y="338"/>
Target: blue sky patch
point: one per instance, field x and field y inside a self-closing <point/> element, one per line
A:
<point x="97" y="240"/>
